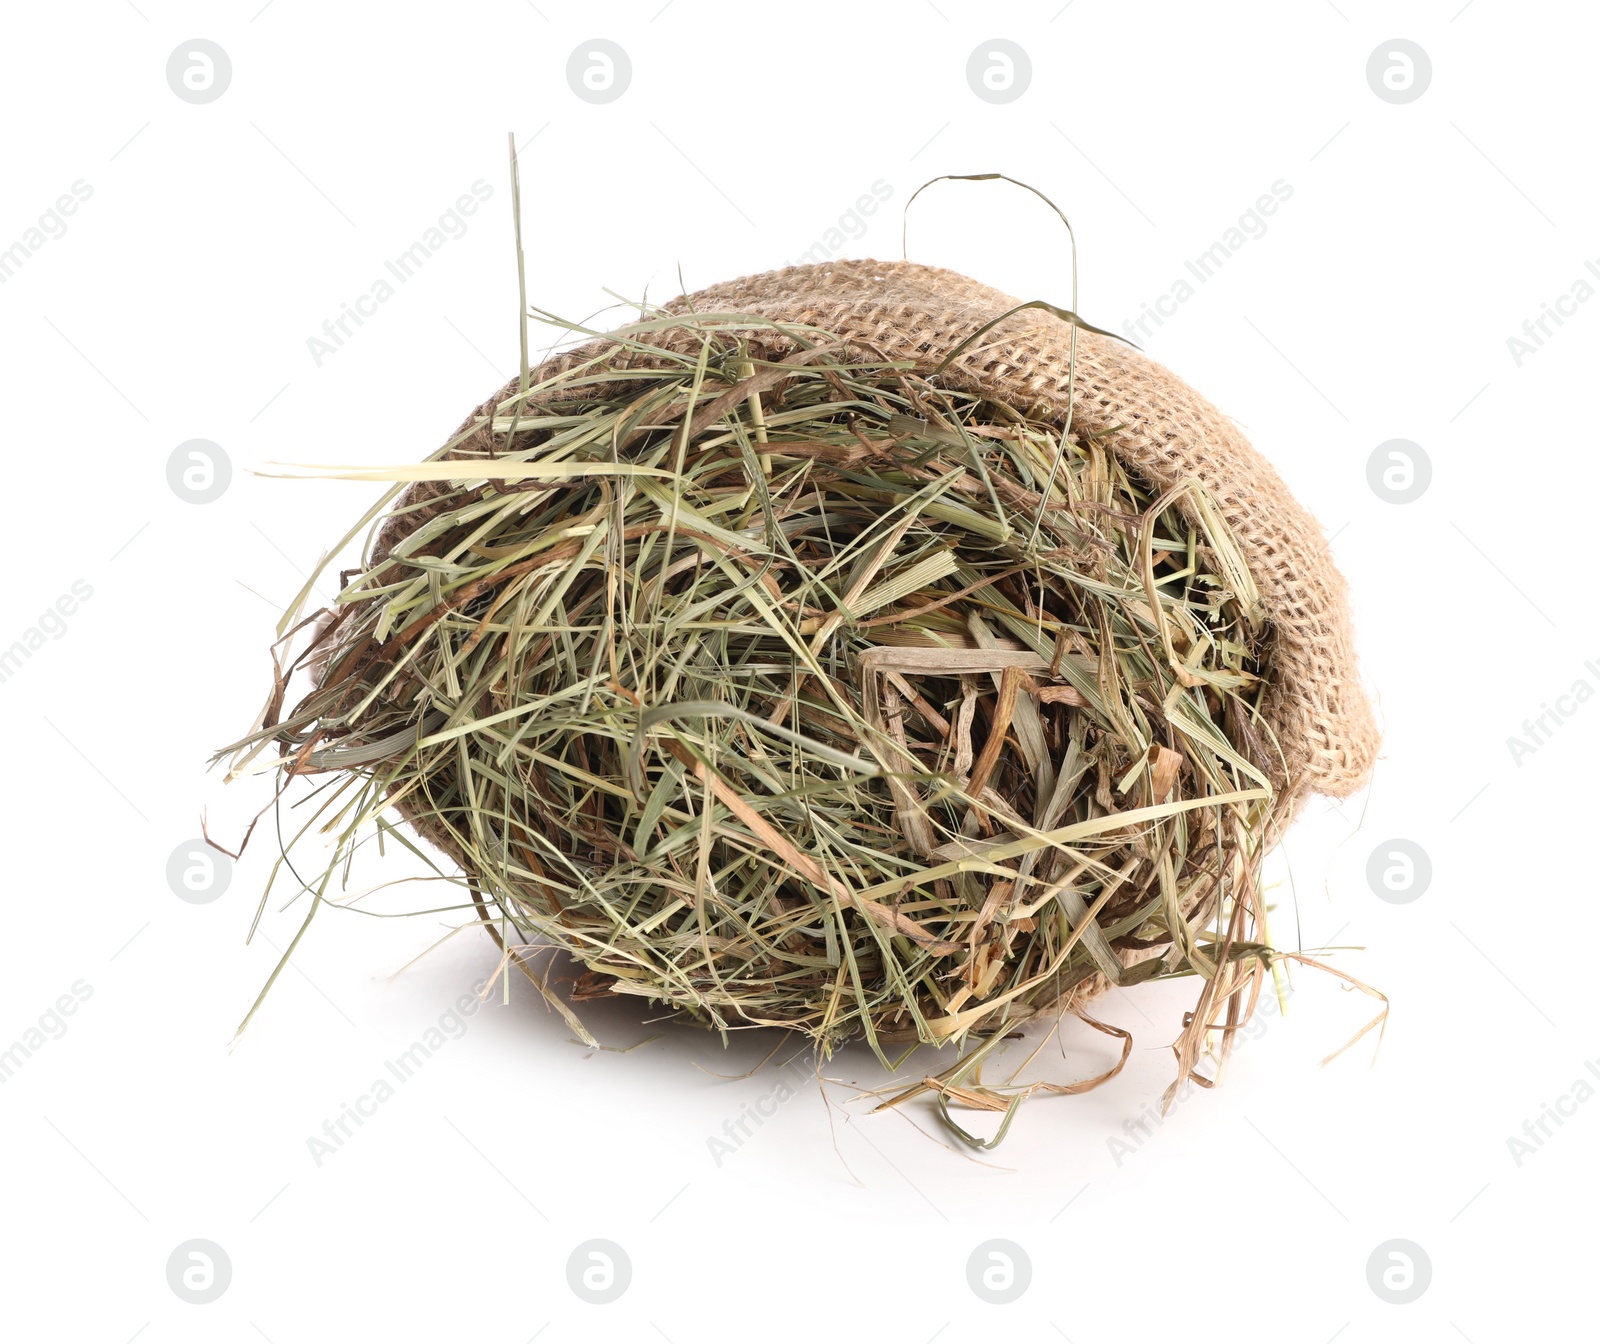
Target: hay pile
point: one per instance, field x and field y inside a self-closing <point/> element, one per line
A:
<point x="785" y="660"/>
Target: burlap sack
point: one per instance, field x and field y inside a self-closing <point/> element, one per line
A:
<point x="1158" y="426"/>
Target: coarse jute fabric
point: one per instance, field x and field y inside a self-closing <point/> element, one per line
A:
<point x="1155" y="423"/>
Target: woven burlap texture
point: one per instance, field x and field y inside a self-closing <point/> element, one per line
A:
<point x="1155" y="423"/>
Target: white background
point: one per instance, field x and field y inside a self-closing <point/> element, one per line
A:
<point x="178" y="305"/>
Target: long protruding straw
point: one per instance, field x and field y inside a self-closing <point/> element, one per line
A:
<point x="1069" y="314"/>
